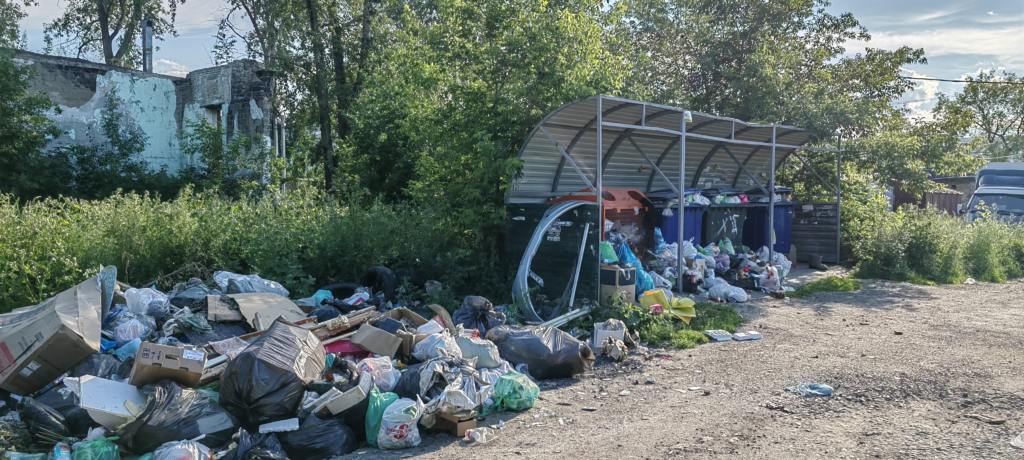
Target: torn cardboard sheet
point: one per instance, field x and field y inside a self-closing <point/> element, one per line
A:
<point x="268" y="307"/>
<point x="222" y="308"/>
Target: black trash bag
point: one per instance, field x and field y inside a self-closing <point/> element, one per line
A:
<point x="355" y="418"/>
<point x="257" y="447"/>
<point x="76" y="419"/>
<point x="433" y="372"/>
<point x="267" y="380"/>
<point x="548" y="352"/>
<point x="176" y="414"/>
<point x="346" y="374"/>
<point x="45" y="425"/>
<point x="318" y="439"/>
<point x="104" y="366"/>
<point x="325" y="313"/>
<point x="478" y="313"/>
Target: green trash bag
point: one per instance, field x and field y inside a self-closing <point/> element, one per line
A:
<point x="100" y="449"/>
<point x="375" y="413"/>
<point x="513" y="391"/>
<point x="608" y="253"/>
<point x="726" y="246"/>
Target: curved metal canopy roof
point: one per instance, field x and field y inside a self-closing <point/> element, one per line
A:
<point x="641" y="147"/>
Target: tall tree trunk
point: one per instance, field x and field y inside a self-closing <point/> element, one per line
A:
<point x="344" y="93"/>
<point x="321" y="94"/>
<point x="364" y="43"/>
<point x="103" y="16"/>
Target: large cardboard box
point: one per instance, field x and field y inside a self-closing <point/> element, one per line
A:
<point x="409" y="339"/>
<point x="616" y="281"/>
<point x="155" y="362"/>
<point x="376" y="340"/>
<point x="38" y="344"/>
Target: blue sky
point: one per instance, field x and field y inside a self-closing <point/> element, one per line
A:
<point x="960" y="38"/>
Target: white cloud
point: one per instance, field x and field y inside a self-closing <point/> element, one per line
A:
<point x="922" y="98"/>
<point x="1007" y="44"/>
<point x="168" y="67"/>
<point x="192" y="15"/>
<point x="991" y="13"/>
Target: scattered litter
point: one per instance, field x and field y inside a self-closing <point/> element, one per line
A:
<point x="749" y="335"/>
<point x="1018" y="442"/>
<point x="718" y="335"/>
<point x="694" y="388"/>
<point x="969" y="281"/>
<point x="811" y="389"/>
<point x="624" y="393"/>
<point x="291" y="424"/>
<point x="650" y="381"/>
<point x="590" y="409"/>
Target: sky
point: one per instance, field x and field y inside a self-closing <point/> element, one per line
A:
<point x="959" y="37"/>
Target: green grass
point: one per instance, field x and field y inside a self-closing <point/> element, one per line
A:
<point x="829" y="284"/>
<point x="662" y="330"/>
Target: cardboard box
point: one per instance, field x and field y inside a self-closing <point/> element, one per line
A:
<point x="615" y="281"/>
<point x="267" y="307"/>
<point x="38" y="344"/>
<point x="155" y="362"/>
<point x="601" y="334"/>
<point x="458" y="426"/>
<point x="335" y="402"/>
<point x="409" y="339"/>
<point x="377" y="341"/>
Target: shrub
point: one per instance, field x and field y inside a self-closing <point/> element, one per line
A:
<point x="302" y="239"/>
<point x="925" y="246"/>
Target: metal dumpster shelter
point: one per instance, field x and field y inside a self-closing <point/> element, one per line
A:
<point x="602" y="142"/>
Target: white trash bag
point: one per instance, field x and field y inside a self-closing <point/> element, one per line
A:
<point x="398" y="428"/>
<point x="427" y="349"/>
<point x="383" y="371"/>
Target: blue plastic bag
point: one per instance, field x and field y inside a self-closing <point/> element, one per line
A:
<point x="644" y="282"/>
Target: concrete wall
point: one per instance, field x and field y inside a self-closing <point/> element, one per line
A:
<point x="237" y="95"/>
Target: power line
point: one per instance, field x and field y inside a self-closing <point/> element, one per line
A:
<point x="992" y="82"/>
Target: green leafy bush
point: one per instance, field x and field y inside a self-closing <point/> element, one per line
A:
<point x="660" y="330"/>
<point x="302" y="239"/>
<point x="927" y="247"/>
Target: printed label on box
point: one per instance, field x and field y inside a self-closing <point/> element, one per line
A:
<point x="30" y="368"/>
<point x="193" y="355"/>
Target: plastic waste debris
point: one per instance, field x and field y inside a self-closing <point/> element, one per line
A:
<point x="513" y="391"/>
<point x="100" y="449"/>
<point x="378" y="403"/>
<point x="147" y="301"/>
<point x="45" y="424"/>
<point x="485" y="351"/>
<point x="318" y="439"/>
<point x="430" y="347"/>
<point x="383" y="371"/>
<point x="478" y="313"/>
<point x="481" y="435"/>
<point x="811" y="389"/>
<point x="247" y="283"/>
<point x="547" y="351"/>
<point x="256" y="447"/>
<point x="176" y="414"/>
<point x="266" y="381"/>
<point x="398" y="428"/>
<point x="182" y="450"/>
<point x="130" y="326"/>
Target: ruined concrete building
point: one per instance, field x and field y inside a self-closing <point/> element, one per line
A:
<point x="236" y="96"/>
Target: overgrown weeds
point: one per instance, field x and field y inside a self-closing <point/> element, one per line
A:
<point x="301" y="239"/>
<point x="926" y="247"/>
<point x="663" y="330"/>
<point x="828" y="284"/>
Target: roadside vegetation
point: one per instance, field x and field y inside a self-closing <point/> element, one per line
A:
<point x="828" y="284"/>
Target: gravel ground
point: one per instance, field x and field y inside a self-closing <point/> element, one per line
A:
<point x="919" y="372"/>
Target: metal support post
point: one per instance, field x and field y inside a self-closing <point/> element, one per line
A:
<point x="680" y="263"/>
<point x="771" y="205"/>
<point x="839" y="196"/>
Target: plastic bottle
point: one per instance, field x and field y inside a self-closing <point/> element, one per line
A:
<point x="61" y="450"/>
<point x="481" y="435"/>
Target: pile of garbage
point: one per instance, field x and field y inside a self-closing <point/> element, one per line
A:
<point x="237" y="370"/>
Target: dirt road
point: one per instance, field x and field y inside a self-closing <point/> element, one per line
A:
<point x="919" y="372"/>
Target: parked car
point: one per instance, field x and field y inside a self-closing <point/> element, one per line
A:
<point x="1000" y="189"/>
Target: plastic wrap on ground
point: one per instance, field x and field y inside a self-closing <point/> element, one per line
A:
<point x="100" y="449"/>
<point x="77" y="420"/>
<point x="548" y="352"/>
<point x="513" y="391"/>
<point x="182" y="450"/>
<point x="257" y="447"/>
<point x="176" y="414"/>
<point x="45" y="425"/>
<point x="266" y="381"/>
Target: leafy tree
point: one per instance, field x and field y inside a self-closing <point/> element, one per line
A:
<point x="993" y="107"/>
<point x="108" y="28"/>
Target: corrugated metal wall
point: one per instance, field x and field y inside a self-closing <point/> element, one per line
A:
<point x="555" y="260"/>
<point x="814" y="231"/>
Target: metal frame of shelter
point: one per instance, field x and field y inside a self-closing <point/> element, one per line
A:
<point x="606" y="141"/>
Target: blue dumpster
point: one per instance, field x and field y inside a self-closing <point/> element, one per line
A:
<point x="693" y="222"/>
<point x="755" y="229"/>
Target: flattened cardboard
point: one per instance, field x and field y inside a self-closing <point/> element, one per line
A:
<point x="376" y="340"/>
<point x="38" y="344"/>
<point x="217" y="311"/>
<point x="155" y="362"/>
<point x="269" y="306"/>
<point x="105" y="400"/>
